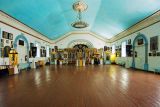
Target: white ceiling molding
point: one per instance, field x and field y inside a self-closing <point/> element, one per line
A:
<point x="80" y="41"/>
<point x="81" y="32"/>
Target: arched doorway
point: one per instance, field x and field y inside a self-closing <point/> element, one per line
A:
<point x="22" y="50"/>
<point x="141" y="55"/>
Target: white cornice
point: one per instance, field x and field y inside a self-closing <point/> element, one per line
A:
<point x="81" y="32"/>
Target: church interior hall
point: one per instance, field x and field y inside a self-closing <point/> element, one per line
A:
<point x="79" y="53"/>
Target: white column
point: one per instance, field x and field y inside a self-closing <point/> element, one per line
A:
<point x="55" y="61"/>
<point x="101" y="61"/>
<point x="77" y="63"/>
<point x="92" y="61"/>
<point x="84" y="62"/>
<point x="16" y="70"/>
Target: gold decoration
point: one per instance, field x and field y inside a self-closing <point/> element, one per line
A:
<point x="13" y="57"/>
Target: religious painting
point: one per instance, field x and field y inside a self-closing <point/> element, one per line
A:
<point x="135" y="53"/>
<point x="2" y="40"/>
<point x="150" y="54"/>
<point x="80" y="47"/>
<point x="6" y="51"/>
<point x="154" y="53"/>
<point x="31" y="45"/>
<point x="4" y="35"/>
<point x="154" y="43"/>
<point x="26" y="57"/>
<point x="41" y="52"/>
<point x="44" y="53"/>
<point x="30" y="54"/>
<point x="2" y="52"/>
<point x="52" y="50"/>
<point x="56" y="48"/>
<point x="158" y="53"/>
<point x="21" y="42"/>
<point x="110" y="48"/>
<point x="129" y="41"/>
<point x="65" y="55"/>
<point x="140" y="41"/>
<point x="118" y="52"/>
<point x="129" y="50"/>
<point x="11" y="44"/>
<point x="34" y="51"/>
<point x="10" y="36"/>
<point x="105" y="48"/>
<point x="2" y="43"/>
<point x="7" y="41"/>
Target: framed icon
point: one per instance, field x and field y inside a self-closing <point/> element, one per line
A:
<point x="158" y="53"/>
<point x="150" y="54"/>
<point x="129" y="41"/>
<point x="2" y="52"/>
<point x="2" y="40"/>
<point x="7" y="41"/>
<point x="154" y="53"/>
<point x="4" y="35"/>
<point x="2" y="44"/>
<point x="154" y="43"/>
<point x="140" y="41"/>
<point x="10" y="36"/>
<point x="11" y="44"/>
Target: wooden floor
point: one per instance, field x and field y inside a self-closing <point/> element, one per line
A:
<point x="90" y="86"/>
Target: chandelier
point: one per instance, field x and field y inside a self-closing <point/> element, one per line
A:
<point x="79" y="7"/>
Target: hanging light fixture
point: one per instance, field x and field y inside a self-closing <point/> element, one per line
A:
<point x="79" y="7"/>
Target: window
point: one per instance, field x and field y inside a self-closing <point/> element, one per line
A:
<point x="47" y="51"/>
<point x="113" y="49"/>
<point x="38" y="50"/>
<point x="123" y="52"/>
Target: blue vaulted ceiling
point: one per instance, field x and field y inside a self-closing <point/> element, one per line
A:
<point x="53" y="18"/>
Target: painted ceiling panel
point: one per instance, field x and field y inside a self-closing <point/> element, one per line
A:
<point x="53" y="18"/>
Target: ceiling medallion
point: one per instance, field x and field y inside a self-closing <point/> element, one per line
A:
<point x="79" y="7"/>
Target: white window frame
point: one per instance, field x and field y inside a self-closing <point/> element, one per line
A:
<point x="113" y="49"/>
<point x="38" y="49"/>
<point x="123" y="51"/>
<point x="47" y="51"/>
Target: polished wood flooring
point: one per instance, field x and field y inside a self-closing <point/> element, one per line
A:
<point x="90" y="86"/>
